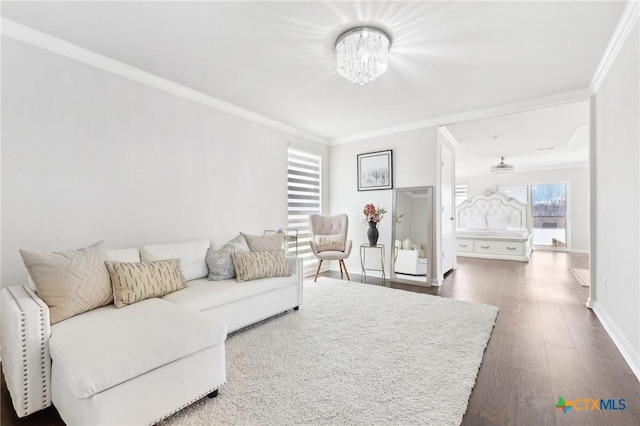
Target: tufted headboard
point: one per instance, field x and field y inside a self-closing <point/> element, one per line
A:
<point x="491" y="205"/>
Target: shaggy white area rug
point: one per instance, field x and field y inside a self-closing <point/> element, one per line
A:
<point x="353" y="354"/>
<point x="582" y="275"/>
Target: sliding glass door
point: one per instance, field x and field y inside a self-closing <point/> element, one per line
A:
<point x="549" y="214"/>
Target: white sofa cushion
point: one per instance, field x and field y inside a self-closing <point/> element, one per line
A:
<point x="124" y="255"/>
<point x="192" y="256"/>
<point x="108" y="346"/>
<point x="204" y="294"/>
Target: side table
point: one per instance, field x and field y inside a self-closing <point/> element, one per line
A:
<point x="289" y="235"/>
<point x="377" y="252"/>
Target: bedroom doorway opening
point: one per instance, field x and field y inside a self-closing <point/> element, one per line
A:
<point x="551" y="151"/>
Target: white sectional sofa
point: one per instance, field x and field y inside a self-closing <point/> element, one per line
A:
<point x="142" y="362"/>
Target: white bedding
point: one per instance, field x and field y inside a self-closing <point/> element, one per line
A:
<point x="493" y="233"/>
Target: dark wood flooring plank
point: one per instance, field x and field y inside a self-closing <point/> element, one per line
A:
<point x="523" y="398"/>
<point x="553" y="324"/>
<point x="519" y="351"/>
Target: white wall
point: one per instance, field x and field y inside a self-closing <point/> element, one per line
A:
<point x="617" y="192"/>
<point x="414" y="164"/>
<point x="577" y="179"/>
<point x="88" y="155"/>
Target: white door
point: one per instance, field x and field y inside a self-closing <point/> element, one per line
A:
<point x="447" y="198"/>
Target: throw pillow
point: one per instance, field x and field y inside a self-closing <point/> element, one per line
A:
<point x="498" y="221"/>
<point x="476" y="221"/>
<point x="333" y="242"/>
<point x="133" y="282"/>
<point x="219" y="261"/>
<point x="70" y="282"/>
<point x="407" y="244"/>
<point x="260" y="264"/>
<point x="264" y="242"/>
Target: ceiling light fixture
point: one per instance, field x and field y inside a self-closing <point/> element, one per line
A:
<point x="502" y="168"/>
<point x="362" y="54"/>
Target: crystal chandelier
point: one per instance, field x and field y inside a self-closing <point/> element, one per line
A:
<point x="502" y="168"/>
<point x="363" y="54"/>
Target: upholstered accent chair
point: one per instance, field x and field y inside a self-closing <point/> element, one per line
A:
<point x="329" y="240"/>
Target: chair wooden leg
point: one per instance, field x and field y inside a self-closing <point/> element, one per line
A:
<point x="318" y="270"/>
<point x="343" y="266"/>
<point x="340" y="264"/>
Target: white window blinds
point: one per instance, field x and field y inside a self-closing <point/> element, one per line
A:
<point x="304" y="198"/>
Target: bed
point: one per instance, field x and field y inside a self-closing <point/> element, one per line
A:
<point x="493" y="225"/>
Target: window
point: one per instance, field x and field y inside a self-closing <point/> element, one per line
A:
<point x="549" y="213"/>
<point x="304" y="198"/>
<point x="520" y="193"/>
<point x="461" y="193"/>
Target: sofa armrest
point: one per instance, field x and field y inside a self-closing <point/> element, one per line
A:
<point x="24" y="335"/>
<point x="296" y="267"/>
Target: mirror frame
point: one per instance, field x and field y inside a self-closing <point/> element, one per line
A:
<point x="429" y="240"/>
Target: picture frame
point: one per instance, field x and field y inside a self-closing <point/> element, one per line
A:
<point x="375" y="170"/>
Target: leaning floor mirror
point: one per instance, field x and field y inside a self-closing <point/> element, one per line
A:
<point x="412" y="234"/>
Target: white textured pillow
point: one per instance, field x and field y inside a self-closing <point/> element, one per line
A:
<point x="498" y="221"/>
<point x="70" y="282"/>
<point x="407" y="244"/>
<point x="192" y="256"/>
<point x="476" y="221"/>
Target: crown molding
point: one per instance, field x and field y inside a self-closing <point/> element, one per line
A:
<point x="576" y="132"/>
<point x="479" y="114"/>
<point x="53" y="44"/>
<point x="623" y="29"/>
<point x="448" y="136"/>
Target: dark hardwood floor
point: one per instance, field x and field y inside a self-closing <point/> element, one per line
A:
<point x="545" y="344"/>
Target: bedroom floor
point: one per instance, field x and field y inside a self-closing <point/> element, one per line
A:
<point x="545" y="343"/>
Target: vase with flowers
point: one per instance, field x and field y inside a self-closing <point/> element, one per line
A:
<point x="373" y="215"/>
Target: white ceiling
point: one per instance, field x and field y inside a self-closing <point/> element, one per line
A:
<point x="276" y="58"/>
<point x="519" y="136"/>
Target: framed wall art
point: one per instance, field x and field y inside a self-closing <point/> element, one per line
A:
<point x="375" y="170"/>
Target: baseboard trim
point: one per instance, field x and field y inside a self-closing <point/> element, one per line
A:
<point x="579" y="251"/>
<point x="561" y="250"/>
<point x="622" y="343"/>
